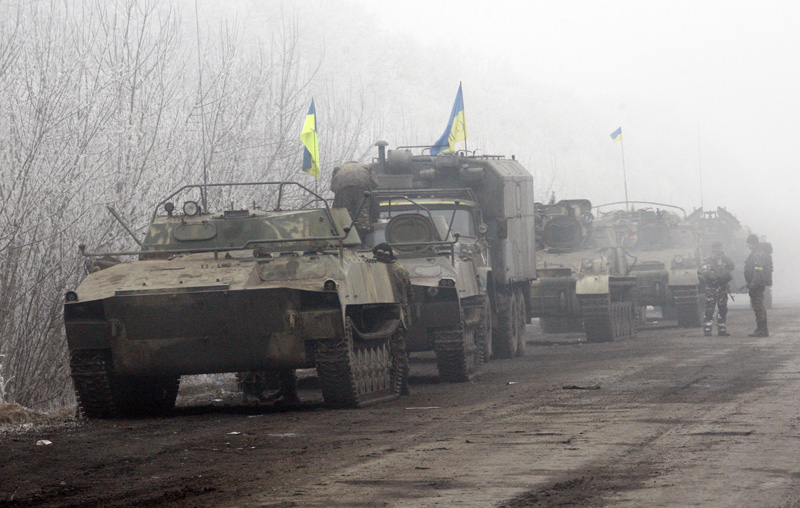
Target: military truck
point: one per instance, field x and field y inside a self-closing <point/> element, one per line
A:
<point x="666" y="253"/>
<point x="240" y="289"/>
<point x="503" y="191"/>
<point x="583" y="281"/>
<point x="722" y="226"/>
<point x="436" y="235"/>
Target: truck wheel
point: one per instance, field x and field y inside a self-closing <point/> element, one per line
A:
<point x="483" y="335"/>
<point x="354" y="372"/>
<point x="506" y="334"/>
<point x="457" y="355"/>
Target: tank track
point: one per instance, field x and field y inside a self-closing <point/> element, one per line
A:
<point x="91" y="379"/>
<point x="100" y="394"/>
<point x="687" y="311"/>
<point x="358" y="374"/>
<point x="605" y="321"/>
<point x="457" y="354"/>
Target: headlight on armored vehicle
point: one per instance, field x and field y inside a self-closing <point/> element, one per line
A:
<point x="447" y="283"/>
<point x="330" y="285"/>
<point x="432" y="291"/>
<point x="678" y="259"/>
<point x="71" y="296"/>
<point x="191" y="208"/>
<point x="587" y="264"/>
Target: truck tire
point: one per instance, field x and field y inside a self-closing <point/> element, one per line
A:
<point x="522" y="344"/>
<point x="506" y="334"/>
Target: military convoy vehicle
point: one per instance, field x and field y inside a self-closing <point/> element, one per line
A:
<point x="436" y="235"/>
<point x="666" y="253"/>
<point x="722" y="226"/>
<point x="503" y="191"/>
<point x="241" y="289"/>
<point x="583" y="280"/>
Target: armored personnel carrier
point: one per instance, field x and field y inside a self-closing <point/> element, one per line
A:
<point x="241" y="289"/>
<point x="436" y="234"/>
<point x="666" y="252"/>
<point x="503" y="191"/>
<point x="582" y="275"/>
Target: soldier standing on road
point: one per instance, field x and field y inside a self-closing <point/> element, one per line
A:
<point x="758" y="275"/>
<point x="716" y="272"/>
<point x="349" y="183"/>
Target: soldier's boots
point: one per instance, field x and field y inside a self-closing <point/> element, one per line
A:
<point x="723" y="332"/>
<point x="761" y="330"/>
<point x="708" y="328"/>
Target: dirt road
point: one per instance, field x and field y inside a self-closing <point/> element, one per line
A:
<point x="671" y="419"/>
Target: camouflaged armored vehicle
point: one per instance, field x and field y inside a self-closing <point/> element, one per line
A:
<point x="503" y="191"/>
<point x="582" y="275"/>
<point x="242" y="289"/>
<point x="436" y="234"/>
<point x="666" y="252"/>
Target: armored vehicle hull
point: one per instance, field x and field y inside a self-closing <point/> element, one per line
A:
<point x="666" y="253"/>
<point x="582" y="282"/>
<point x="230" y="292"/>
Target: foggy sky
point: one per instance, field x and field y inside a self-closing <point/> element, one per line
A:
<point x="697" y="86"/>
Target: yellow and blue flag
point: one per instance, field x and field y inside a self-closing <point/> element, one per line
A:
<point x="617" y="134"/>
<point x="311" y="142"/>
<point x="456" y="129"/>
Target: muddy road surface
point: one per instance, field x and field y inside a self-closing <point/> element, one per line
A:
<point x="670" y="419"/>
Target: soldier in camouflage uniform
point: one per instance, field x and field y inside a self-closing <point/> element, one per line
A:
<point x="716" y="273"/>
<point x="758" y="275"/>
<point x="349" y="183"/>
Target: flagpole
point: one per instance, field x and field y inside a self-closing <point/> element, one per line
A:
<point x="624" y="176"/>
<point x="464" y="109"/>
<point x="700" y="166"/>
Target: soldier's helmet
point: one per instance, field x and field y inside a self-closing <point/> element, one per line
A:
<point x="716" y="245"/>
<point x="752" y="239"/>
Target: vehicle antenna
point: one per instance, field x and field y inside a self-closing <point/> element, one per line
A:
<point x="200" y="98"/>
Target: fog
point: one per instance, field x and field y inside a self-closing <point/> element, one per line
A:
<point x="699" y="88"/>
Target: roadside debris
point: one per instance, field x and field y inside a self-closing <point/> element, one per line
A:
<point x="576" y="387"/>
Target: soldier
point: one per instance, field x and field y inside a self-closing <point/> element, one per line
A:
<point x="758" y="275"/>
<point x="349" y="183"/>
<point x="716" y="272"/>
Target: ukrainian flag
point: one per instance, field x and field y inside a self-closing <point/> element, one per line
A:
<point x="311" y="142"/>
<point x="456" y="129"/>
<point x="617" y="134"/>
